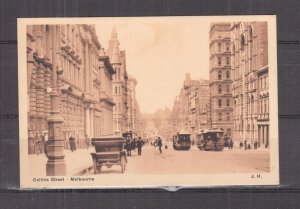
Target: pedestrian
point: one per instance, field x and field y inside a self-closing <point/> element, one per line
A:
<point x="245" y="144"/>
<point x="72" y="143"/>
<point x="139" y="145"/>
<point x="127" y="146"/>
<point x="230" y="143"/>
<point x="159" y="144"/>
<point x="87" y="141"/>
<point x="255" y="145"/>
<point x="45" y="139"/>
<point x="241" y="145"/>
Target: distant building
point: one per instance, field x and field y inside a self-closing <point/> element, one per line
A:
<point x="190" y="107"/>
<point x="221" y="106"/>
<point x="250" y="82"/>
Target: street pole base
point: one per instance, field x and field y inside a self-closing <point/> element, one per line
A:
<point x="56" y="167"/>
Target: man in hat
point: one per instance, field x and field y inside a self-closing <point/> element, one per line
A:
<point x="159" y="144"/>
<point x="139" y="145"/>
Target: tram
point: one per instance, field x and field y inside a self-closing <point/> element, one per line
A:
<point x="182" y="141"/>
<point x="211" y="140"/>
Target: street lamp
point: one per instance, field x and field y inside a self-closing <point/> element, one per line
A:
<point x="56" y="165"/>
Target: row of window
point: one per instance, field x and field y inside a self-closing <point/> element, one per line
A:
<point x="220" y="75"/>
<point x="118" y="90"/>
<point x="227" y="102"/>
<point x="220" y="89"/>
<point x="220" y="47"/>
<point x="227" y="61"/>
<point x="227" y="116"/>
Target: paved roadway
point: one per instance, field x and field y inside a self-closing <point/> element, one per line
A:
<point x="194" y="161"/>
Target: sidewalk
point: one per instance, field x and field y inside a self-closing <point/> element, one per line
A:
<point x="76" y="162"/>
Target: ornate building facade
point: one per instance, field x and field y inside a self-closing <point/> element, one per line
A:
<point x="221" y="106"/>
<point x="118" y="61"/>
<point x="81" y="81"/>
<point x="133" y="110"/>
<point x="250" y="82"/>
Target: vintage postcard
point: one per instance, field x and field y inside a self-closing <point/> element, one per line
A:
<point x="148" y="102"/>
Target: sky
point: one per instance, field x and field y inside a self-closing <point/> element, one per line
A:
<point x="159" y="53"/>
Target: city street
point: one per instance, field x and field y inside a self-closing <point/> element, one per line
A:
<point x="193" y="161"/>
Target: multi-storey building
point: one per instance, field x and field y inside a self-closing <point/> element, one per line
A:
<point x="220" y="77"/>
<point x="132" y="105"/>
<point x="202" y="98"/>
<point x="64" y="82"/>
<point x="250" y="82"/>
<point x="190" y="108"/>
<point x="106" y="98"/>
<point x="118" y="61"/>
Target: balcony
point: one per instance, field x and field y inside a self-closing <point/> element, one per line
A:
<point x="263" y="116"/>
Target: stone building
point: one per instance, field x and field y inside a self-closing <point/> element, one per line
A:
<point x="64" y="79"/>
<point x="202" y="99"/>
<point x="118" y="61"/>
<point x="132" y="105"/>
<point x="190" y="107"/>
<point x="221" y="106"/>
<point x="250" y="82"/>
<point x="106" y="98"/>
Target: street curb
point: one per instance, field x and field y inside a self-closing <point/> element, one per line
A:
<point x="83" y="171"/>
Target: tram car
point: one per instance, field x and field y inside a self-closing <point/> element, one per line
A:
<point x="211" y="140"/>
<point x="182" y="141"/>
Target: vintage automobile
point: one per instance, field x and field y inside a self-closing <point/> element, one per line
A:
<point x="211" y="140"/>
<point x="109" y="151"/>
<point x="182" y="141"/>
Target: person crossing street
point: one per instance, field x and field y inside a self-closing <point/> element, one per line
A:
<point x="140" y="144"/>
<point x="159" y="144"/>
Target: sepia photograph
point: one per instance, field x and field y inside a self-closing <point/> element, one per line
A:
<point x="148" y="102"/>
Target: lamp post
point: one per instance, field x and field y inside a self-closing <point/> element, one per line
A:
<point x="56" y="165"/>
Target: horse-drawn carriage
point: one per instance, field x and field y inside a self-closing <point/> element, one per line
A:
<point x="109" y="151"/>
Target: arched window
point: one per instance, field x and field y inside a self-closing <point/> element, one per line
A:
<point x="219" y="47"/>
<point x="250" y="33"/>
<point x="242" y="42"/>
<point x="220" y="116"/>
<point x="220" y="75"/>
<point x="227" y="102"/>
<point x="227" y="88"/>
<point x="220" y="102"/>
<point x="220" y="89"/>
<point x="227" y="60"/>
<point x="227" y="46"/>
<point x="228" y="132"/>
<point x="227" y="116"/>
<point x="252" y="103"/>
<point x="219" y="61"/>
<point x="227" y="74"/>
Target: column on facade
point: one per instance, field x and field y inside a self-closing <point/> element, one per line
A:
<point x="92" y="116"/>
<point x="87" y="122"/>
